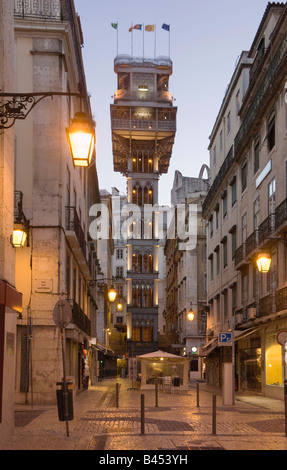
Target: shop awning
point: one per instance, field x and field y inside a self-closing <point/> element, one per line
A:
<point x="243" y="334"/>
<point x="208" y="347"/>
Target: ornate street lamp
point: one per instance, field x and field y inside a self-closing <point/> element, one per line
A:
<point x="80" y="134"/>
<point x="191" y="315"/>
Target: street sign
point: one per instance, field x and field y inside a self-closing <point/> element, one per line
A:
<point x="62" y="313"/>
<point x="282" y="337"/>
<point x="225" y="339"/>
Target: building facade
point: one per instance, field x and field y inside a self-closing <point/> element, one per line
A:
<point x="186" y="275"/>
<point x="143" y="121"/>
<point x="58" y="260"/>
<point x="246" y="214"/>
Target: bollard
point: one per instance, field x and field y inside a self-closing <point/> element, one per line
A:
<point x="214" y="414"/>
<point x="117" y="395"/>
<point x="142" y="415"/>
<point x="156" y="393"/>
<point x="197" y="394"/>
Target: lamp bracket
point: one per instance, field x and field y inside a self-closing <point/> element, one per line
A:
<point x="21" y="104"/>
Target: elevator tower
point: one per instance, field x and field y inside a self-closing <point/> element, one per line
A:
<point x="143" y="121"/>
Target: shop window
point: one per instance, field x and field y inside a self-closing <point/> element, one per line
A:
<point x="274" y="366"/>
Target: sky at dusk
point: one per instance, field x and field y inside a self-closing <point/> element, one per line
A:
<point x="206" y="39"/>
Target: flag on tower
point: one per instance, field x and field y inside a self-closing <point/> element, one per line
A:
<point x="149" y="27"/>
<point x="138" y="26"/>
<point x="166" y="27"/>
<point x="114" y="25"/>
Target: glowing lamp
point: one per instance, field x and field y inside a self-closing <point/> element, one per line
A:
<point x="263" y="263"/>
<point x="112" y="294"/>
<point x="19" y="238"/>
<point x="81" y="138"/>
<point x="191" y="315"/>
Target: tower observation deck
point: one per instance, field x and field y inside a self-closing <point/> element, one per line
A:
<point x="143" y="123"/>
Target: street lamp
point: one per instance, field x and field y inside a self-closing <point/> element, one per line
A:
<point x="81" y="138"/>
<point x="19" y="237"/>
<point x="191" y="315"/>
<point x="263" y="263"/>
<point x="112" y="294"/>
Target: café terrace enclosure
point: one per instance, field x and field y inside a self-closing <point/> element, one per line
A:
<point x="164" y="367"/>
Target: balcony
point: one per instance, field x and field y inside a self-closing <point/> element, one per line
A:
<point x="158" y="97"/>
<point x="76" y="239"/>
<point x="80" y="319"/>
<point x="48" y="9"/>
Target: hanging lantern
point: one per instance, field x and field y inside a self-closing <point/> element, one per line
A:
<point x="19" y="237"/>
<point x="112" y="294"/>
<point x="81" y="138"/>
<point x="191" y="315"/>
<point x="263" y="263"/>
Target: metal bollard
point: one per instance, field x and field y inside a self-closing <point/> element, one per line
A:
<point x="214" y="414"/>
<point x="142" y="416"/>
<point x="117" y="394"/>
<point x="156" y="393"/>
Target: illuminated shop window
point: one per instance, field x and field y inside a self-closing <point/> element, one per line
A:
<point x="274" y="366"/>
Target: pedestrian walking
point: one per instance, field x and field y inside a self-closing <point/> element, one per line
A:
<point x="87" y="376"/>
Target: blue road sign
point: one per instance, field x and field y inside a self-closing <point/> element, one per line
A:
<point x="225" y="339"/>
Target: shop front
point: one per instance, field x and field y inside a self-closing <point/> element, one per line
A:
<point x="262" y="359"/>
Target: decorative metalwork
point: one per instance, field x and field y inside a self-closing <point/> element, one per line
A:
<point x="21" y="104"/>
<point x="38" y="9"/>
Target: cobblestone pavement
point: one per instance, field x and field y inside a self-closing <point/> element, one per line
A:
<point x="176" y="424"/>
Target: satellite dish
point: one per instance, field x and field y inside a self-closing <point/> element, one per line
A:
<point x="62" y="313"/>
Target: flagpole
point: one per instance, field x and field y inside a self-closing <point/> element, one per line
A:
<point x="169" y="42"/>
<point x="143" y="42"/>
<point x="117" y="38"/>
<point x="132" y="51"/>
<point x="155" y="41"/>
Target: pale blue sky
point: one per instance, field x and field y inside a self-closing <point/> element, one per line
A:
<point x="206" y="39"/>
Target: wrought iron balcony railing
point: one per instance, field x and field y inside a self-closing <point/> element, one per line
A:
<point x="79" y="318"/>
<point x="48" y="9"/>
<point x="73" y="223"/>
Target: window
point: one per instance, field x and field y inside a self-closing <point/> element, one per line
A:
<point x="271" y="196"/>
<point x="244" y="176"/>
<point x="217" y="260"/>
<point x="237" y="102"/>
<point x="119" y="271"/>
<point x="256" y="148"/>
<point x="120" y="254"/>
<point x="147" y="334"/>
<point x="228" y="123"/>
<point x="224" y="251"/>
<point x="217" y="214"/>
<point x="233" y="232"/>
<point x="256" y="213"/>
<point x="244" y="227"/>
<point x="211" y="226"/>
<point x="211" y="267"/>
<point x="224" y="204"/>
<point x="221" y="140"/>
<point x="271" y="133"/>
<point x="233" y="190"/>
<point x="136" y="335"/>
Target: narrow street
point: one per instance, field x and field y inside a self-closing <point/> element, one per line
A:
<point x="177" y="424"/>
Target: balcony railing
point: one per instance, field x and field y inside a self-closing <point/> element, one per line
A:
<point x="73" y="224"/>
<point x="47" y="9"/>
<point x="159" y="96"/>
<point x="79" y="318"/>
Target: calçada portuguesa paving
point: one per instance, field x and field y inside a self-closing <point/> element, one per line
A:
<point x="177" y="423"/>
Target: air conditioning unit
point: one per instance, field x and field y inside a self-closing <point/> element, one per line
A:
<point x="251" y="313"/>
